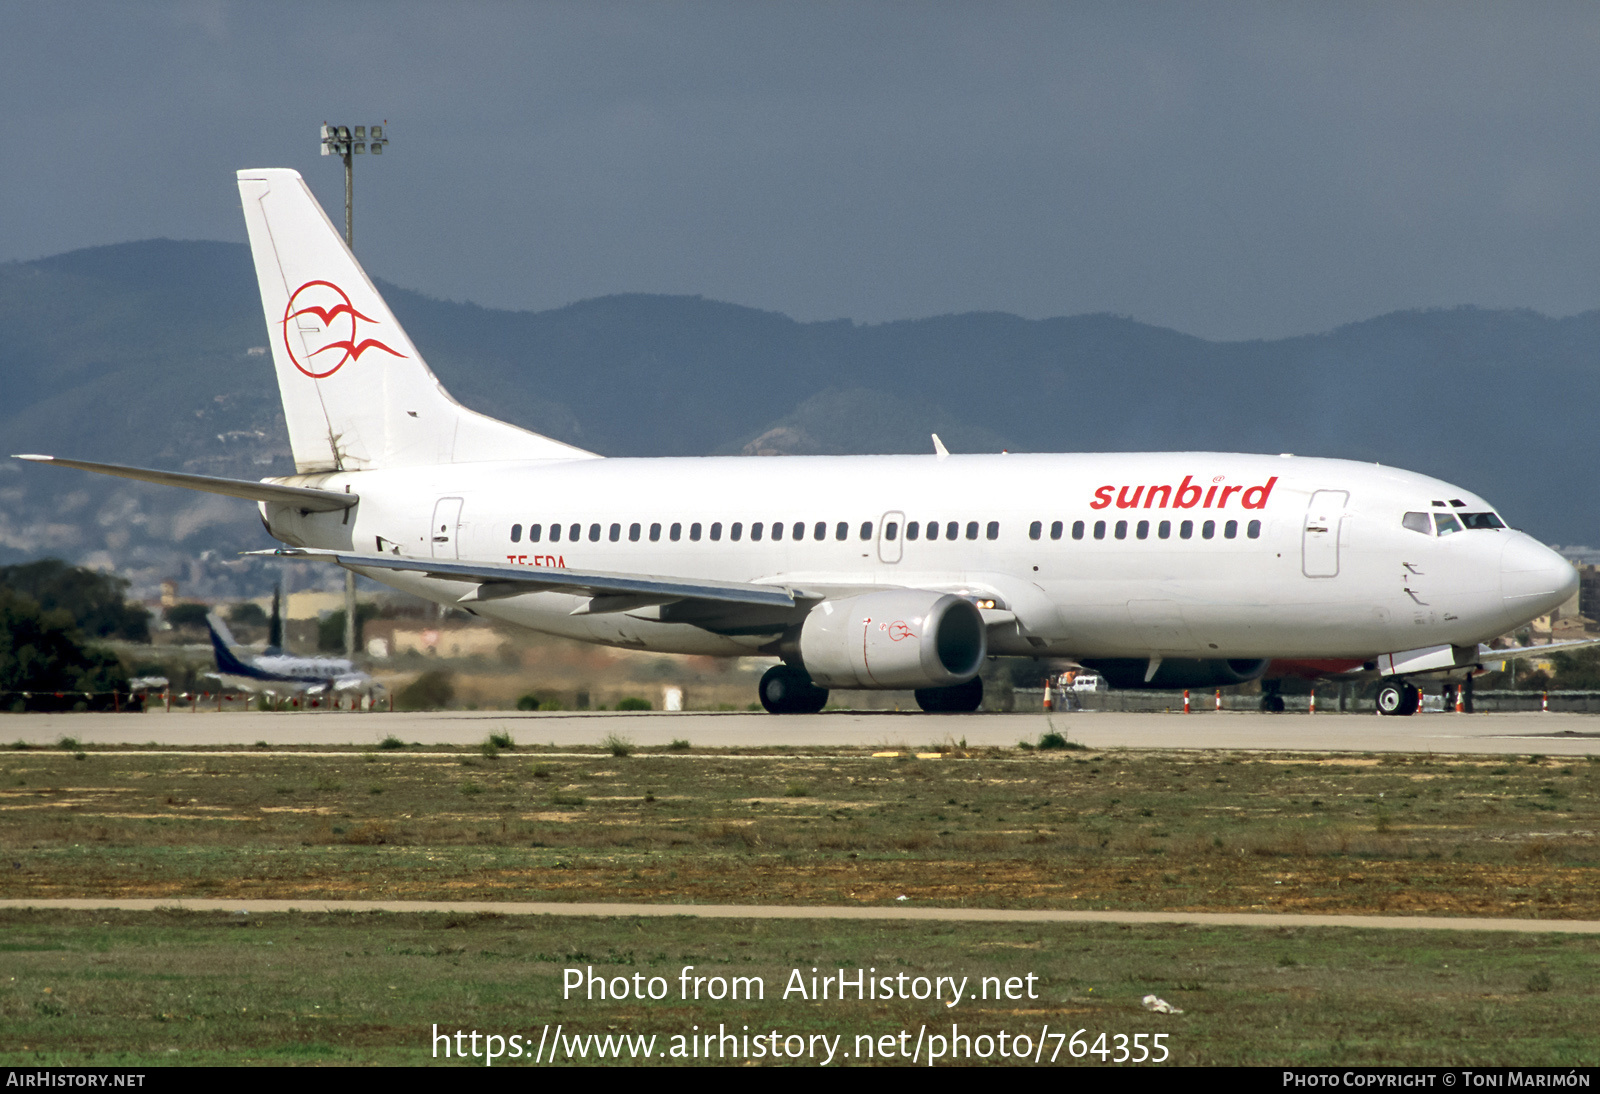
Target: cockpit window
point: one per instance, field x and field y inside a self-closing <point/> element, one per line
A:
<point x="1418" y="522"/>
<point x="1447" y="523"/>
<point x="1481" y="520"/>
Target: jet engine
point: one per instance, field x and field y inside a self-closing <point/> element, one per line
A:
<point x="901" y="638"/>
<point x="1129" y="672"/>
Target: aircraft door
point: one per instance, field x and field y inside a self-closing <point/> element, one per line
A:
<point x="891" y="531"/>
<point x="1319" y="544"/>
<point x="446" y="528"/>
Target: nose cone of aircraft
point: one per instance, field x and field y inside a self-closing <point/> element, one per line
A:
<point x="1533" y="578"/>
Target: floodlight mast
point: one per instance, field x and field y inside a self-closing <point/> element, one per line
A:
<point x="342" y="141"/>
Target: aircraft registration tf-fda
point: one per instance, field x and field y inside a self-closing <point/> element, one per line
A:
<point x="1182" y="569"/>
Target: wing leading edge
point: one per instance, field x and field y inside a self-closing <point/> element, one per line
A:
<point x="608" y="592"/>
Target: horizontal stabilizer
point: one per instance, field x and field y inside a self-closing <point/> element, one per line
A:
<point x="301" y="497"/>
<point x="496" y="580"/>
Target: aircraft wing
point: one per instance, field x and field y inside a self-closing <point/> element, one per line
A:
<point x="301" y="497"/>
<point x="609" y="592"/>
<point x="1486" y="654"/>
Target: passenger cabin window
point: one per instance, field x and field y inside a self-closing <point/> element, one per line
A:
<point x="820" y="532"/>
<point x="1099" y="529"/>
<point x="972" y="529"/>
<point x="891" y="531"/>
<point x="1055" y="530"/>
<point x="1035" y="530"/>
<point x="799" y="530"/>
<point x="933" y="529"/>
<point x="1230" y="530"/>
<point x="992" y="531"/>
<point x="841" y="531"/>
<point x="516" y="533"/>
<point x="633" y="533"/>
<point x="911" y="529"/>
<point x="616" y="533"/>
<point x="655" y="533"/>
<point x="1208" y="529"/>
<point x="1253" y="529"/>
<point x="757" y="529"/>
<point x="694" y="532"/>
<point x="575" y="532"/>
<point x="533" y="532"/>
<point x="866" y="529"/>
<point x="555" y="533"/>
<point x="1077" y="529"/>
<point x="952" y="530"/>
<point x="1122" y="529"/>
<point x="1418" y="522"/>
<point x="735" y="530"/>
<point x="594" y="533"/>
<point x="777" y="530"/>
<point x="1186" y="529"/>
<point x="716" y="530"/>
<point x="1142" y="530"/>
<point x="675" y="533"/>
<point x="1164" y="529"/>
<point x="1447" y="524"/>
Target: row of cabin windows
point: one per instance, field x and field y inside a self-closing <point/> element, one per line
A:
<point x="758" y="530"/>
<point x="1141" y="529"/>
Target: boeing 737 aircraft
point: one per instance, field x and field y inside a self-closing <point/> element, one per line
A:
<point x="1168" y="570"/>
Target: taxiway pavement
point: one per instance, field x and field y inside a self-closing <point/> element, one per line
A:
<point x="1481" y="734"/>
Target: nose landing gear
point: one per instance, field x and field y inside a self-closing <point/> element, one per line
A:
<point x="1398" y="698"/>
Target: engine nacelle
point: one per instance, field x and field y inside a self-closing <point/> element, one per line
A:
<point x="1128" y="672"/>
<point x="901" y="638"/>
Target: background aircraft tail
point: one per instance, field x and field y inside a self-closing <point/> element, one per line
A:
<point x="356" y="393"/>
<point x="222" y="642"/>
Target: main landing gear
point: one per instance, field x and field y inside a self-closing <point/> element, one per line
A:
<point x="960" y="699"/>
<point x="788" y="690"/>
<point x="1398" y="698"/>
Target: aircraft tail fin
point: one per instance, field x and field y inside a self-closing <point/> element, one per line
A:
<point x="356" y="393"/>
<point x="228" y="662"/>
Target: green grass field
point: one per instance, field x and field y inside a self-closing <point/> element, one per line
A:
<point x="1133" y="830"/>
<point x="1000" y="828"/>
<point x="124" y="989"/>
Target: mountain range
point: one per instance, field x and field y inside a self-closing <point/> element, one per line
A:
<point x="152" y="353"/>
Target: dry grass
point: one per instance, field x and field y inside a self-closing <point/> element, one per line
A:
<point x="1129" y="830"/>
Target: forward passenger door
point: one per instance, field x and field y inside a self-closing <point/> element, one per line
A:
<point x="1319" y="543"/>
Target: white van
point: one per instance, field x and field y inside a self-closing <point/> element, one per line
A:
<point x="1089" y="681"/>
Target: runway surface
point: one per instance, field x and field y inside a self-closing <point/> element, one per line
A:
<point x="759" y="911"/>
<point x="1483" y="734"/>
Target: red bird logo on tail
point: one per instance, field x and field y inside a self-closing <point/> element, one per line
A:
<point x="329" y="303"/>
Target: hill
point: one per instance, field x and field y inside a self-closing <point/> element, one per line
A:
<point x="141" y="353"/>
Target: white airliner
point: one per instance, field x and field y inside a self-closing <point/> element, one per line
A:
<point x="1179" y="569"/>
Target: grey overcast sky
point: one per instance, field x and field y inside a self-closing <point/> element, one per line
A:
<point x="1230" y="170"/>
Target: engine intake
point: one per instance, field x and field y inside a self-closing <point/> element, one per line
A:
<point x="901" y="638"/>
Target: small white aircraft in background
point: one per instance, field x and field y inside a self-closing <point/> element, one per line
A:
<point x="276" y="671"/>
<point x="1167" y="570"/>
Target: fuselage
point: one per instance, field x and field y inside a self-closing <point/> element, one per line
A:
<point x="1181" y="555"/>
